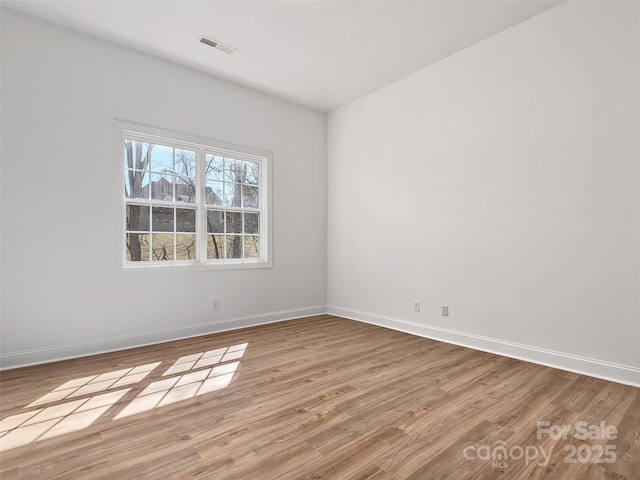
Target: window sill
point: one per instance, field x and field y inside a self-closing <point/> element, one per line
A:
<point x="176" y="268"/>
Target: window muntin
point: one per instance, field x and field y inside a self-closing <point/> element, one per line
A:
<point x="192" y="204"/>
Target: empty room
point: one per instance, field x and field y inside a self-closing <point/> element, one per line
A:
<point x="320" y="240"/>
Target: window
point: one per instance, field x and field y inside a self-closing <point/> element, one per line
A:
<point x="189" y="203"/>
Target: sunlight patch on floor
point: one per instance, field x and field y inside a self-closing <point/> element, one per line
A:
<point x="76" y="413"/>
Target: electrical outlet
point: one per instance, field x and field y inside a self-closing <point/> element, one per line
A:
<point x="445" y="311"/>
<point x="416" y="306"/>
<point x="216" y="304"/>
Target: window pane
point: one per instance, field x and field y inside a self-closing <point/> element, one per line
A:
<point x="232" y="170"/>
<point x="215" y="220"/>
<point x="213" y="193"/>
<point x="251" y="223"/>
<point x="136" y="184"/>
<point x="137" y="247"/>
<point x="234" y="222"/>
<point x="185" y="220"/>
<point x="185" y="162"/>
<point x="138" y="218"/>
<point x="214" y="165"/>
<point x="162" y="219"/>
<point x="135" y="155"/>
<point x="231" y="196"/>
<point x="251" y="173"/>
<point x="252" y="246"/>
<point x="162" y="187"/>
<point x="185" y="247"/>
<point x="186" y="189"/>
<point x="215" y="246"/>
<point x="234" y="246"/>
<point x="162" y="246"/>
<point x="161" y="159"/>
<point x="250" y="197"/>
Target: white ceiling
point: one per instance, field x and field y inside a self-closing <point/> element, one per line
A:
<point x="322" y="54"/>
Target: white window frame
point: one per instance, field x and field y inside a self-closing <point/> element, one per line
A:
<point x="202" y="146"/>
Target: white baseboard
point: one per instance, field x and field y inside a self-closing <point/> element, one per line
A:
<point x="625" y="374"/>
<point x="93" y="347"/>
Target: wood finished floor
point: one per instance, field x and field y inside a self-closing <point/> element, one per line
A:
<point x="315" y="398"/>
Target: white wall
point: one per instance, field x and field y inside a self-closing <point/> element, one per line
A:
<point x="503" y="182"/>
<point x="62" y="294"/>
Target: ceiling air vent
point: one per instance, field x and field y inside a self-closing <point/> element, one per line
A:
<point x="217" y="45"/>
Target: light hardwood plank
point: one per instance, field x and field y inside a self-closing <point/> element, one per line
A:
<point x="314" y="398"/>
